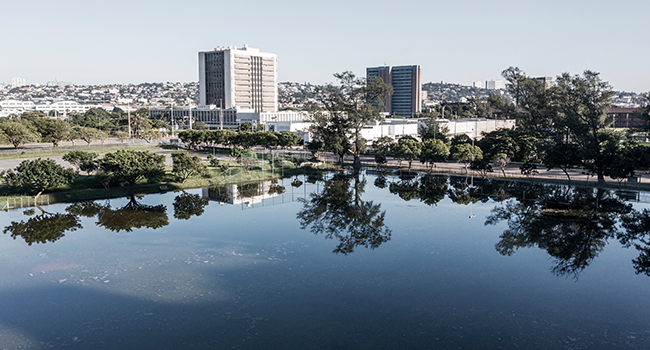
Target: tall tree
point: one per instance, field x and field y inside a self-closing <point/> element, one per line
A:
<point x="347" y="108"/>
<point x="583" y="103"/>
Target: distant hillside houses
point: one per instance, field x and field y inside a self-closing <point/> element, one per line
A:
<point x="59" y="109"/>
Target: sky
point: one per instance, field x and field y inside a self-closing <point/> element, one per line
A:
<point x="91" y="42"/>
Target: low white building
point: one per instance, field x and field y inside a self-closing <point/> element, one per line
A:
<point x="475" y="127"/>
<point x="230" y="118"/>
<point x="64" y="107"/>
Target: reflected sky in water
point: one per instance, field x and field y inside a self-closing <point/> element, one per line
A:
<point x="363" y="262"/>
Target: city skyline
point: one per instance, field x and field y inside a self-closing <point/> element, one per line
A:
<point x="461" y="42"/>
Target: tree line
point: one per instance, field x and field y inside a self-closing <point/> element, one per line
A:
<point x="95" y="124"/>
<point x="562" y="127"/>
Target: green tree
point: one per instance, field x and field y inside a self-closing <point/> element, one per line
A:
<point x="583" y="103"/>
<point x="434" y="150"/>
<point x="39" y="174"/>
<point x="382" y="147"/>
<point x="52" y="130"/>
<point x="315" y="146"/>
<point x="536" y="107"/>
<point x="132" y="167"/>
<point x="502" y="160"/>
<point x="288" y="139"/>
<point x="347" y="108"/>
<point x="185" y="166"/>
<point x="466" y="153"/>
<point x="17" y="133"/>
<point x="87" y="134"/>
<point x="245" y="126"/>
<point x="408" y="148"/>
<point x="430" y="129"/>
<point x="83" y="161"/>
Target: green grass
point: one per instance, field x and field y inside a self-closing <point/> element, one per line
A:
<point x="59" y="151"/>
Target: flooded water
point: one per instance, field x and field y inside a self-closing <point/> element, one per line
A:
<point x="332" y="262"/>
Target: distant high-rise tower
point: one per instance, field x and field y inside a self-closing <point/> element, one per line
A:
<point x="238" y="77"/>
<point x="18" y="82"/>
<point x="406" y="81"/>
<point x="547" y="81"/>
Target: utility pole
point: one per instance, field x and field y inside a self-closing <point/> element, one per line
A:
<point x="171" y="110"/>
<point x="128" y="111"/>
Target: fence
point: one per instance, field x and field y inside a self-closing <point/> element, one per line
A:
<point x="63" y="149"/>
<point x="23" y="202"/>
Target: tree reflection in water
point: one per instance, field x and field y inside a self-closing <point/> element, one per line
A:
<point x="572" y="224"/>
<point x="637" y="234"/>
<point x="339" y="213"/>
<point x="186" y="205"/>
<point x="43" y="228"/>
<point x="133" y="215"/>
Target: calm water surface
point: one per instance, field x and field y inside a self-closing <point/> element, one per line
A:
<point x="368" y="262"/>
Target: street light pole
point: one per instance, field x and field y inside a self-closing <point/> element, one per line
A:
<point x="128" y="111"/>
<point x="171" y="110"/>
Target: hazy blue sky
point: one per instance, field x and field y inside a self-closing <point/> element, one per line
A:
<point x="92" y="42"/>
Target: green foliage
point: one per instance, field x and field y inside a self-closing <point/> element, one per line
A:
<point x="346" y="110"/>
<point x="83" y="161"/>
<point x="528" y="168"/>
<point x="315" y="146"/>
<point x="288" y="139"/>
<point x="245" y="126"/>
<point x="40" y="174"/>
<point x="502" y="160"/>
<point x="430" y="129"/>
<point x="132" y="166"/>
<point x="88" y="135"/>
<point x="236" y="152"/>
<point x="52" y="130"/>
<point x="185" y="166"/>
<point x="16" y="133"/>
<point x="408" y="148"/>
<point x="465" y="153"/>
<point x="434" y="150"/>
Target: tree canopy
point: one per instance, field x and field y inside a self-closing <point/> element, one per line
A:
<point x="131" y="167"/>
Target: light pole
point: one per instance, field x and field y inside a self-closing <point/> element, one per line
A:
<point x="128" y="111"/>
<point x="171" y="110"/>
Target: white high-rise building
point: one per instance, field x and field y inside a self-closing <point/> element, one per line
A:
<point x="494" y="84"/>
<point x="245" y="78"/>
<point x="18" y="82"/>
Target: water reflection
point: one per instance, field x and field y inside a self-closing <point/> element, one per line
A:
<point x="571" y="224"/>
<point x="186" y="205"/>
<point x="43" y="228"/>
<point x="339" y="212"/>
<point x="244" y="193"/>
<point x="133" y="215"/>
